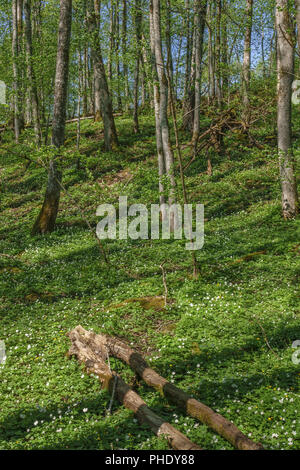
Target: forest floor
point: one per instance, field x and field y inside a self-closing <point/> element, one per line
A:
<point x="225" y="338"/>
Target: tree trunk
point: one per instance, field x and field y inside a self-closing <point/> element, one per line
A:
<point x="163" y="91"/>
<point x="211" y="67"/>
<point x="285" y="70"/>
<point x="124" y="53"/>
<point x="110" y="133"/>
<point x="156" y="99"/>
<point x="47" y="217"/>
<point x="109" y="346"/>
<point x="94" y="362"/>
<point x="297" y="5"/>
<point x="247" y="63"/>
<point x="16" y="70"/>
<point x="97" y="87"/>
<point x="200" y="14"/>
<point x="138" y="35"/>
<point x="30" y="74"/>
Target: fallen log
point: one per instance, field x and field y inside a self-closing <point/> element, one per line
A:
<point x="95" y="363"/>
<point x="192" y="407"/>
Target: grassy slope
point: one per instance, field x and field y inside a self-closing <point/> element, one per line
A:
<point x="207" y="341"/>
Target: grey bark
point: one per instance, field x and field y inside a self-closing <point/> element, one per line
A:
<point x="247" y="62"/>
<point x="285" y="70"/>
<point x="155" y="11"/>
<point x="30" y="74"/>
<point x="47" y="216"/>
<point x="110" y="133"/>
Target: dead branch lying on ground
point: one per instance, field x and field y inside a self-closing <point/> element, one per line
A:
<point x="116" y="348"/>
<point x="93" y="357"/>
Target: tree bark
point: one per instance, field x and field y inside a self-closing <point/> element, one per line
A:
<point x="285" y="70"/>
<point x="116" y="348"/>
<point x="94" y="362"/>
<point x="47" y="216"/>
<point x="110" y="133"/>
<point x="30" y="74"/>
<point x="247" y="63"/>
<point x="124" y="53"/>
<point x="155" y="13"/>
<point x="156" y="99"/>
<point x="97" y="86"/>
<point x="138" y="37"/>
<point x="200" y="14"/>
<point x="16" y="70"/>
<point x="297" y="5"/>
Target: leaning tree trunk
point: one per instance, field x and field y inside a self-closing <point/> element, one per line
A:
<point x="285" y="70"/>
<point x="47" y="216"/>
<point x="247" y="63"/>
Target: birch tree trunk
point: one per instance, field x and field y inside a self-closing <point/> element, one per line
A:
<point x="285" y="70"/>
<point x="47" y="216"/>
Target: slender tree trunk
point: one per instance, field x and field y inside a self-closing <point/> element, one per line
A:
<point x="155" y="10"/>
<point x="297" y="4"/>
<point x="47" y="217"/>
<point x="156" y="99"/>
<point x="110" y="133"/>
<point x="247" y="63"/>
<point x="124" y="53"/>
<point x="138" y="36"/>
<point x="16" y="68"/>
<point x="200" y="14"/>
<point x="188" y="50"/>
<point x="218" y="54"/>
<point x="97" y="87"/>
<point x="225" y="58"/>
<point x="170" y="68"/>
<point x="285" y="70"/>
<point x="119" y="99"/>
<point x="30" y="73"/>
<point x="189" y="97"/>
<point x="211" y="68"/>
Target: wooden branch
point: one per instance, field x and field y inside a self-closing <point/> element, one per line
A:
<point x="94" y="361"/>
<point x="194" y="408"/>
